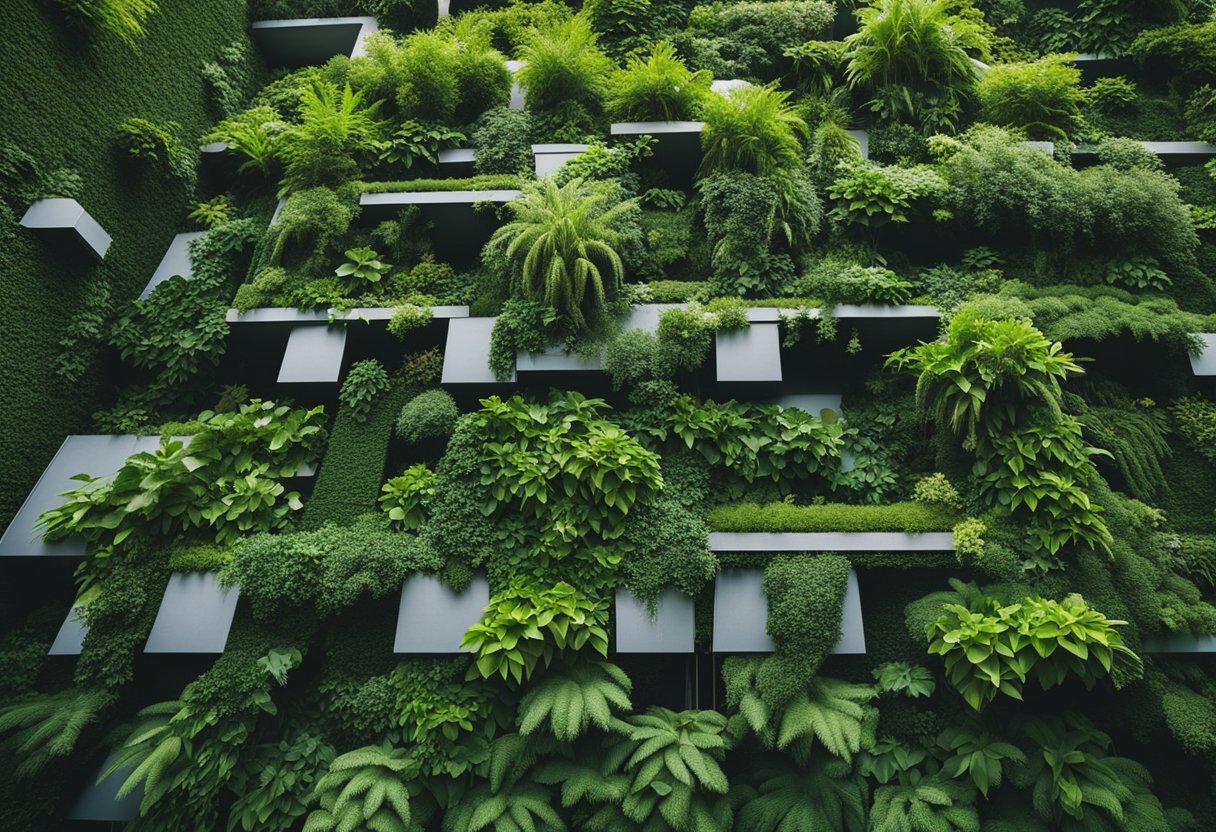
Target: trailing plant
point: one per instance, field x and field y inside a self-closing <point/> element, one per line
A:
<point x="45" y="729"/>
<point x="1196" y="420"/>
<point x="142" y="139"/>
<point x="405" y="496"/>
<point x="364" y="383"/>
<point x="124" y="19"/>
<point x="990" y="648"/>
<point x="526" y="624"/>
<point x="521" y="325"/>
<point x="409" y="318"/>
<point x="561" y="245"/>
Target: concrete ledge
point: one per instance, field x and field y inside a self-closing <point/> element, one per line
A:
<point x="314" y="355"/>
<point x="831" y="541"/>
<point x="67" y="216"/>
<point x="669" y="630"/>
<point x="98" y="802"/>
<point x="549" y="158"/>
<point x="1180" y="643"/>
<point x="312" y="40"/>
<point x="752" y="354"/>
<point x="175" y="262"/>
<point x="289" y="315"/>
<point x="655" y="128"/>
<point x="69" y="641"/>
<point x="466" y="354"/>
<point x="1204" y="364"/>
<point x="884" y="310"/>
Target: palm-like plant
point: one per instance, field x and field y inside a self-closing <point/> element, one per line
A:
<point x="153" y="748"/>
<point x="657" y="86"/>
<point x="826" y="796"/>
<point x="753" y="130"/>
<point x="46" y="728"/>
<point x="366" y="789"/>
<point x="908" y="54"/>
<point x="570" y="700"/>
<point x="561" y="244"/>
<point x="334" y="126"/>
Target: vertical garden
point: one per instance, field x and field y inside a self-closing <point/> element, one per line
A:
<point x="617" y="416"/>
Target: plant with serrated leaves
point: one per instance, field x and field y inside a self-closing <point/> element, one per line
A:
<point x="982" y="363"/>
<point x="404" y="497"/>
<point x="366" y="788"/>
<point x="928" y="805"/>
<point x="256" y="134"/>
<point x="979" y="756"/>
<point x="44" y="729"/>
<point x="753" y="130"/>
<point x="214" y="211"/>
<point x="514" y="807"/>
<point x="911" y="680"/>
<point x="122" y="18"/>
<point x="825" y="796"/>
<point x="561" y="244"/>
<point x="275" y="783"/>
<point x="674" y="760"/>
<point x="364" y="383"/>
<point x="572" y="698"/>
<point x="334" y="126"/>
<point x="1138" y="273"/>
<point x="656" y="87"/>
<point x="526" y="624"/>
<point x="363" y="265"/>
<point x="990" y="648"/>
<point x="415" y="141"/>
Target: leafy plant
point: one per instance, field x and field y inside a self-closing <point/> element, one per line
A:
<point x="281" y="778"/>
<point x="991" y="649"/>
<point x="751" y="129"/>
<point x="212" y="212"/>
<point x="1196" y="419"/>
<point x="526" y="624"/>
<point x="143" y="139"/>
<point x="335" y="125"/>
<point x="981" y="757"/>
<point x="1043" y="98"/>
<point x="415" y="141"/>
<point x="928" y="805"/>
<point x="873" y="195"/>
<point x="826" y="794"/>
<point x="912" y="680"/>
<point x="1138" y="273"/>
<point x="571" y="699"/>
<point x="431" y="414"/>
<point x="565" y="78"/>
<point x="365" y="381"/>
<point x="45" y="729"/>
<point x="368" y="788"/>
<point x="656" y="87"/>
<point x="255" y="134"/>
<point x="408" y="318"/>
<point x="561" y="244"/>
<point x="363" y="266"/>
<point x="406" y="495"/>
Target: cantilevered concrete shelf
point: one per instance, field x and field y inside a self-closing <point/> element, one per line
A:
<point x="644" y="316"/>
<point x="99" y="802"/>
<point x="457" y="161"/>
<point x="378" y="206"/>
<point x="291" y="315"/>
<point x="460" y="228"/>
<point x="677" y="146"/>
<point x="176" y="261"/>
<point x="1180" y="643"/>
<point x="432" y="618"/>
<point x="1204" y="363"/>
<point x="1181" y="153"/>
<point x="741" y="615"/>
<point x="669" y="630"/>
<point x="67" y="218"/>
<point x="808" y="402"/>
<point x="466" y="354"/>
<point x="314" y="355"/>
<point x="831" y="541"/>
<point x="862" y="137"/>
<point x="311" y="40"/>
<point x="548" y="158"/>
<point x="752" y="354"/>
<point x="195" y="615"/>
<point x="95" y="454"/>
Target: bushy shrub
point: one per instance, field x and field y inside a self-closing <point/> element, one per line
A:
<point x="832" y="517"/>
<point x="1043" y="98"/>
<point x="632" y="357"/>
<point x="748" y="39"/>
<point x="364" y="383"/>
<point x="1196" y="419"/>
<point x="665" y="545"/>
<point x="565" y="77"/>
<point x="872" y="195"/>
<point x="313" y="220"/>
<point x="335" y="130"/>
<point x="431" y="414"/>
<point x="409" y="318"/>
<point x="1127" y="154"/>
<point x="935" y="489"/>
<point x="752" y="130"/>
<point x="684" y="339"/>
<point x="656" y="87"/>
<point x="503" y="139"/>
<point x="855" y="284"/>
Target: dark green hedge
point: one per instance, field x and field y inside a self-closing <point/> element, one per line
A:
<point x="65" y="92"/>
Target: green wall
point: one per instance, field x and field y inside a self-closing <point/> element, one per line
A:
<point x="62" y="94"/>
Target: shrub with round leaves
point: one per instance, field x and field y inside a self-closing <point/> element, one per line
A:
<point x="431" y="414"/>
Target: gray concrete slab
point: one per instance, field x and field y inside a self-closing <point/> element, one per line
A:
<point x="466" y="354"/>
<point x="831" y="541"/>
<point x="314" y="355"/>
<point x="95" y="454"/>
<point x="432" y="618"/>
<point x="176" y="261"/>
<point x="69" y="217"/>
<point x="741" y="615"/>
<point x="669" y="630"/>
<point x="752" y="354"/>
<point x="195" y="615"/>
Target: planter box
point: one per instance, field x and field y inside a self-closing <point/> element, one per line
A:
<point x="195" y="615"/>
<point x="66" y="218"/>
<point x="95" y="454"/>
<point x="176" y="261"/>
<point x="884" y="310"/>
<point x="98" y="802"/>
<point x="677" y="147"/>
<point x="809" y="402"/>
<point x="459" y="232"/>
<point x="1097" y="65"/>
<point x="741" y="615"/>
<point x="669" y="630"/>
<point x="433" y="619"/>
<point x="549" y="158"/>
<point x="1204" y="364"/>
<point x="644" y="316"/>
<point x="313" y="40"/>
<point x="314" y="355"/>
<point x="457" y="162"/>
<point x="831" y="541"/>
